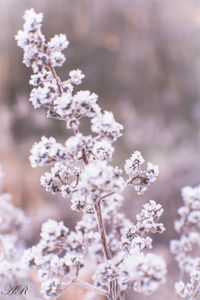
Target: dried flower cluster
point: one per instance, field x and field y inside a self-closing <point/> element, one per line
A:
<point x="82" y="173"/>
<point x="186" y="249"/>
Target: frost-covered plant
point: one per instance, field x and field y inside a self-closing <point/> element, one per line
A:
<point x="186" y="248"/>
<point x="81" y="171"/>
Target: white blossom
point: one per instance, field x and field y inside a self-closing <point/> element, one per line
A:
<point x="105" y="273"/>
<point x="100" y="176"/>
<point x="102" y="150"/>
<point x="144" y="272"/>
<point x="76" y="76"/>
<point x="58" y="43"/>
<point x="133" y="164"/>
<point x="46" y="152"/>
<point x="139" y="179"/>
<point x="58" y="180"/>
<point x="52" y="288"/>
<point x="106" y="126"/>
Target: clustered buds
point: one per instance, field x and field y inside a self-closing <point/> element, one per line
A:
<point x="138" y="178"/>
<point x="58" y="255"/>
<point x="135" y="236"/>
<point x="81" y="172"/>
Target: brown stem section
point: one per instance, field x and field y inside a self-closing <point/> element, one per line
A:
<point x="112" y="292"/>
<point x="102" y="231"/>
<point x="84" y="157"/>
<point x="112" y="193"/>
<point x="133" y="178"/>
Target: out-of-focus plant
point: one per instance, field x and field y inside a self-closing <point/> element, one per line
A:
<point x="15" y="280"/>
<point x="81" y="171"/>
<point x="186" y="248"/>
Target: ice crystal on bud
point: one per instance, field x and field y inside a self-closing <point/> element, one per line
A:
<point x="143" y="272"/>
<point x="135" y="238"/>
<point x="51" y="230"/>
<point x="58" y="255"/>
<point x="98" y="176"/>
<point x="102" y="150"/>
<point x="85" y="104"/>
<point x="58" y="179"/>
<point x="133" y="164"/>
<point x="137" y="177"/>
<point x="147" y="219"/>
<point x="33" y="21"/>
<point x="82" y="173"/>
<point x="52" y="288"/>
<point x="58" y="43"/>
<point x="105" y="273"/>
<point x="46" y="152"/>
<point x="76" y="76"/>
<point x="106" y="126"/>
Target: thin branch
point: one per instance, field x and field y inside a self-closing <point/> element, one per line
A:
<point x="133" y="178"/>
<point x="56" y="77"/>
<point x="107" y="195"/>
<point x="91" y="287"/>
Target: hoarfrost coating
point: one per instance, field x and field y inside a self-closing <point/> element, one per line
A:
<point x="81" y="172"/>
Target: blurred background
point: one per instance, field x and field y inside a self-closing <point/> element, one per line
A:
<point x="142" y="57"/>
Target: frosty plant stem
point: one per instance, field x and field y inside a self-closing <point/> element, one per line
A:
<point x="81" y="171"/>
<point x="102" y="231"/>
<point x="97" y="206"/>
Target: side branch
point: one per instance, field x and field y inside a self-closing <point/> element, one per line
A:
<point x="90" y="287"/>
<point x="56" y="77"/>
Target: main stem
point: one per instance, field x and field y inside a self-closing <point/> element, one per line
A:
<point x="102" y="231"/>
